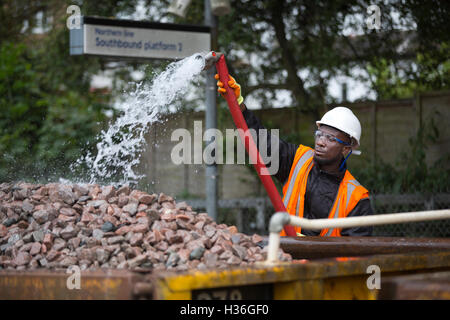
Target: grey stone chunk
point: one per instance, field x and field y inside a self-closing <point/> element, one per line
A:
<point x="131" y="208"/>
<point x="197" y="253"/>
<point x="108" y="226"/>
<point x="114" y="240"/>
<point x="84" y="198"/>
<point x="14" y="238"/>
<point x="9" y="222"/>
<point x="41" y="216"/>
<point x="68" y="232"/>
<point x="172" y="260"/>
<point x="38" y="236"/>
<point x="97" y="233"/>
<point x="97" y="203"/>
<point x="27" y="206"/>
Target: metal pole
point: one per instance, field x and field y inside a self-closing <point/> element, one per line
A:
<point x="211" y="117"/>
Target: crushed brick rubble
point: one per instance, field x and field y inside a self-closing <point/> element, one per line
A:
<point x="56" y="226"/>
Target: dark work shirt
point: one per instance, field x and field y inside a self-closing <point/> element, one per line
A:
<point x="321" y="188"/>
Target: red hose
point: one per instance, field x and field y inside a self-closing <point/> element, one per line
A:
<point x="249" y="143"/>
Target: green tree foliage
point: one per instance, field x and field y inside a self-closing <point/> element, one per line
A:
<point x="48" y="115"/>
<point x="297" y="46"/>
<point x="42" y="128"/>
<point x="429" y="72"/>
<point x="21" y="108"/>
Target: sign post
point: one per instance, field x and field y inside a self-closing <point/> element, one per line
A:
<point x="211" y="174"/>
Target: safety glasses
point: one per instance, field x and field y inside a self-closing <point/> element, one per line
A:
<point x="328" y="137"/>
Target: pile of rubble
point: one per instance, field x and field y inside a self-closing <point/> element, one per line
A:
<point x="56" y="226"/>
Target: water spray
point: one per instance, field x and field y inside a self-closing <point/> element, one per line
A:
<point x="119" y="147"/>
<point x="218" y="59"/>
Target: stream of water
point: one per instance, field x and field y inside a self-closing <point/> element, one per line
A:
<point x="120" y="147"/>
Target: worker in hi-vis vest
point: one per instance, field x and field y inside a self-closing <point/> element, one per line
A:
<point x="316" y="182"/>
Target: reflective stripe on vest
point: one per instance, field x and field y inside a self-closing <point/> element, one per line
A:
<point x="336" y="214"/>
<point x="299" y="165"/>
<point x="299" y="198"/>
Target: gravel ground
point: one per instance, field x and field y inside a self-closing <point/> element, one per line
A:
<point x="55" y="226"/>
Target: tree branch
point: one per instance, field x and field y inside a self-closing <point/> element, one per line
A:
<point x="295" y="83"/>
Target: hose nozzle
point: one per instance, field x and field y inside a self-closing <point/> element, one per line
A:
<point x="210" y="59"/>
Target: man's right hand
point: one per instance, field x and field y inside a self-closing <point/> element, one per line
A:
<point x="233" y="85"/>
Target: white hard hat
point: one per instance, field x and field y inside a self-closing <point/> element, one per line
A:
<point x="343" y="119"/>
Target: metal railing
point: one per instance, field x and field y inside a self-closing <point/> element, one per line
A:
<point x="253" y="214"/>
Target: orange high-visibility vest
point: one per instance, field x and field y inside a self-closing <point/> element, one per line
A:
<point x="349" y="193"/>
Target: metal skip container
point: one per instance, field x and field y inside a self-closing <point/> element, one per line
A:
<point x="348" y="269"/>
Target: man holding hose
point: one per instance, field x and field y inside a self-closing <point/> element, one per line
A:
<point x="316" y="182"/>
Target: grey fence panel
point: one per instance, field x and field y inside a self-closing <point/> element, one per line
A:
<point x="408" y="203"/>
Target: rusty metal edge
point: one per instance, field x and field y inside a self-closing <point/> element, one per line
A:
<point x="325" y="247"/>
<point x="53" y="285"/>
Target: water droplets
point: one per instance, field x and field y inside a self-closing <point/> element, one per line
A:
<point x="120" y="146"/>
